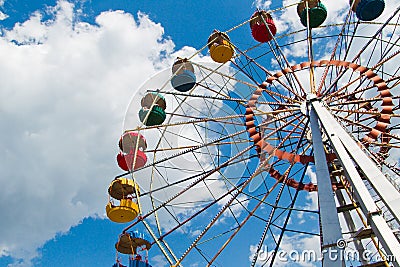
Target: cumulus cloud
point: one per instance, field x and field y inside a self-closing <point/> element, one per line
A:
<point x="64" y="86"/>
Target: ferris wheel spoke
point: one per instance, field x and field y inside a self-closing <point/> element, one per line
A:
<point x="251" y="213"/>
<point x="396" y="24"/>
<point x="385" y="145"/>
<point x="355" y="111"/>
<point x="295" y="84"/>
<point x="346" y="95"/>
<point x="230" y="77"/>
<point x="275" y="112"/>
<point x="217" y="216"/>
<point x="342" y="92"/>
<point x="264" y="144"/>
<point x="160" y="244"/>
<point x="269" y="223"/>
<point x="199" y="212"/>
<point x="310" y="50"/>
<point x="283" y="143"/>
<point x="364" y="48"/>
<point x="377" y="33"/>
<point x="271" y="93"/>
<point x="363" y="101"/>
<point x="248" y="69"/>
<point x="197" y="120"/>
<point x="203" y="113"/>
<point x="171" y="184"/>
<point x="198" y="173"/>
<point x="276" y="205"/>
<point x="266" y="228"/>
<point x="342" y="35"/>
<point x="279" y="104"/>
<point x="170" y="148"/>
<point x="192" y="184"/>
<point x="284" y="65"/>
<point x="365" y="126"/>
<point x="276" y="130"/>
<point x="235" y="232"/>
<point x="196" y="147"/>
<point x="221" y="98"/>
<point x="272" y="218"/>
<point x="243" y="222"/>
<point x="287" y="87"/>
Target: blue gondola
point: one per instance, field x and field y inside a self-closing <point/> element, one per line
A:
<point x="183" y="78"/>
<point x="368" y="10"/>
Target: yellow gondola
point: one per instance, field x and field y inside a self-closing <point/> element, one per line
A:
<point x="124" y="190"/>
<point x="126" y="211"/>
<point x="221" y="50"/>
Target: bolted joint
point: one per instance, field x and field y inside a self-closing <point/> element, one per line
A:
<point x="371" y="214"/>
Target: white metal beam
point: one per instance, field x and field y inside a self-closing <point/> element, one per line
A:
<point x="372" y="212"/>
<point x="330" y="225"/>
<point x="336" y="135"/>
<point x="386" y="191"/>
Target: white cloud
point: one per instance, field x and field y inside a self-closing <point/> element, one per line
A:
<point x="312" y="198"/>
<point x="158" y="261"/>
<point x="2" y="15"/>
<point x="262" y="4"/>
<point x="64" y="86"/>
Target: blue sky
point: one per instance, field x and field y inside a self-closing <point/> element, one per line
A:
<point x="186" y="23"/>
<point x="68" y="71"/>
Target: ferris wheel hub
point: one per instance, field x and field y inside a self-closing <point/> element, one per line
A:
<point x="310" y="97"/>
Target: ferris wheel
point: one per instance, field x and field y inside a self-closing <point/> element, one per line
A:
<point x="280" y="151"/>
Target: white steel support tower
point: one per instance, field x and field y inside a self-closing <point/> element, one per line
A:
<point x="357" y="166"/>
